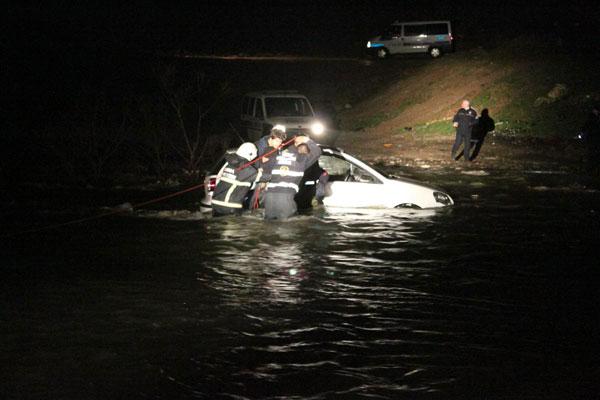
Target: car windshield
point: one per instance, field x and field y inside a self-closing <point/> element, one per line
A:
<point x="287" y="107"/>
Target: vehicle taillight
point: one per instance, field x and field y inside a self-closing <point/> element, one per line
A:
<point x="451" y="38"/>
<point x="212" y="183"/>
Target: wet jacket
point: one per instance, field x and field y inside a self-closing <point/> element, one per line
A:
<point x="466" y="120"/>
<point x="234" y="183"/>
<point x="262" y="145"/>
<point x="289" y="166"/>
<point x="263" y="148"/>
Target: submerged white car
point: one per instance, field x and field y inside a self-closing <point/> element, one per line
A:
<point x="355" y="184"/>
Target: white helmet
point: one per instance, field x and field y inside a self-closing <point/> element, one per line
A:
<point x="279" y="127"/>
<point x="247" y="150"/>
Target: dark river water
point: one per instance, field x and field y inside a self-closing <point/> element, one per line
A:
<point x="495" y="298"/>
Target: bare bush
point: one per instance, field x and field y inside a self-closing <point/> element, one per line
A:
<point x="191" y="98"/>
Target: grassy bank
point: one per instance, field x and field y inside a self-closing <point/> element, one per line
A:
<point x="529" y="88"/>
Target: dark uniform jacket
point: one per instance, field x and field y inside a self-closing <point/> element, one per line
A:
<point x="263" y="148"/>
<point x="466" y="120"/>
<point x="262" y="145"/>
<point x="234" y="183"/>
<point x="287" y="168"/>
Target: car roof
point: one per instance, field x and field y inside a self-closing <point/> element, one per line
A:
<point x="331" y="148"/>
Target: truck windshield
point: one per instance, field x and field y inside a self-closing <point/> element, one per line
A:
<point x="287" y="107"/>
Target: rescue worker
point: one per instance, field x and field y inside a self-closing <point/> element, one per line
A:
<point x="265" y="145"/>
<point x="273" y="140"/>
<point x="463" y="121"/>
<point x="235" y="182"/>
<point x="286" y="173"/>
<point x="309" y="185"/>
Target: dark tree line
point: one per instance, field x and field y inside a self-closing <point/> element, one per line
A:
<point x="100" y="136"/>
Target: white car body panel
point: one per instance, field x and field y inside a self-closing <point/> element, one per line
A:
<point x="386" y="193"/>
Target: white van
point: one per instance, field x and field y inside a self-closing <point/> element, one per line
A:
<point x="263" y="110"/>
<point x="433" y="37"/>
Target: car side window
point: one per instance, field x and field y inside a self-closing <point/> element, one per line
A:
<point x="245" y="104"/>
<point x="340" y="169"/>
<point x="250" y="106"/>
<point x="360" y="175"/>
<point x="335" y="166"/>
<point x="437" y="29"/>
<point x="415" y="30"/>
<point x="258" y="109"/>
<point x="393" y="32"/>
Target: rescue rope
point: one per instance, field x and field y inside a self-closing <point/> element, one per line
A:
<point x="106" y="214"/>
<point x="139" y="205"/>
<point x="256" y="198"/>
<point x="268" y="153"/>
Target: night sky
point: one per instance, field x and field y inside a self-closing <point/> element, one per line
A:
<point x="222" y="26"/>
<point x="54" y="48"/>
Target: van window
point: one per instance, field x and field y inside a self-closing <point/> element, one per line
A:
<point x="245" y="104"/>
<point x="394" y="31"/>
<point x="415" y="30"/>
<point x="250" y="109"/>
<point x="258" y="110"/>
<point x="437" y="29"/>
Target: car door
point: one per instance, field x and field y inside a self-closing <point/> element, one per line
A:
<point x="414" y="38"/>
<point x="350" y="185"/>
<point x="394" y="43"/>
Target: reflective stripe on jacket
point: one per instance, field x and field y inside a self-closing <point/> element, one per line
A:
<point x="234" y="184"/>
<point x="289" y="166"/>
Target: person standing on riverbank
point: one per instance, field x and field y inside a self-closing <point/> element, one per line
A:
<point x="464" y="120"/>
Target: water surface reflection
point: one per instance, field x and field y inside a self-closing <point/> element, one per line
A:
<point x="490" y="299"/>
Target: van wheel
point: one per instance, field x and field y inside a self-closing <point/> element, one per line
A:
<point x="382" y="53"/>
<point x="435" y="52"/>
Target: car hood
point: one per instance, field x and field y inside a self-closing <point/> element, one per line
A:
<point x="293" y="121"/>
<point x="413" y="182"/>
<point x="418" y="190"/>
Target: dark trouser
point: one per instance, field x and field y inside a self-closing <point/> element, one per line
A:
<point x="304" y="198"/>
<point x="462" y="137"/>
<point x="279" y="205"/>
<point x="257" y="197"/>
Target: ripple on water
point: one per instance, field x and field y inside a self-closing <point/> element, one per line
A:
<point x="488" y="297"/>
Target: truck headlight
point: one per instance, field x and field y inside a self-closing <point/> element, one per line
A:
<point x="317" y="128"/>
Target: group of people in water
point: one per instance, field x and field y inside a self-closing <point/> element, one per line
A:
<point x="268" y="172"/>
